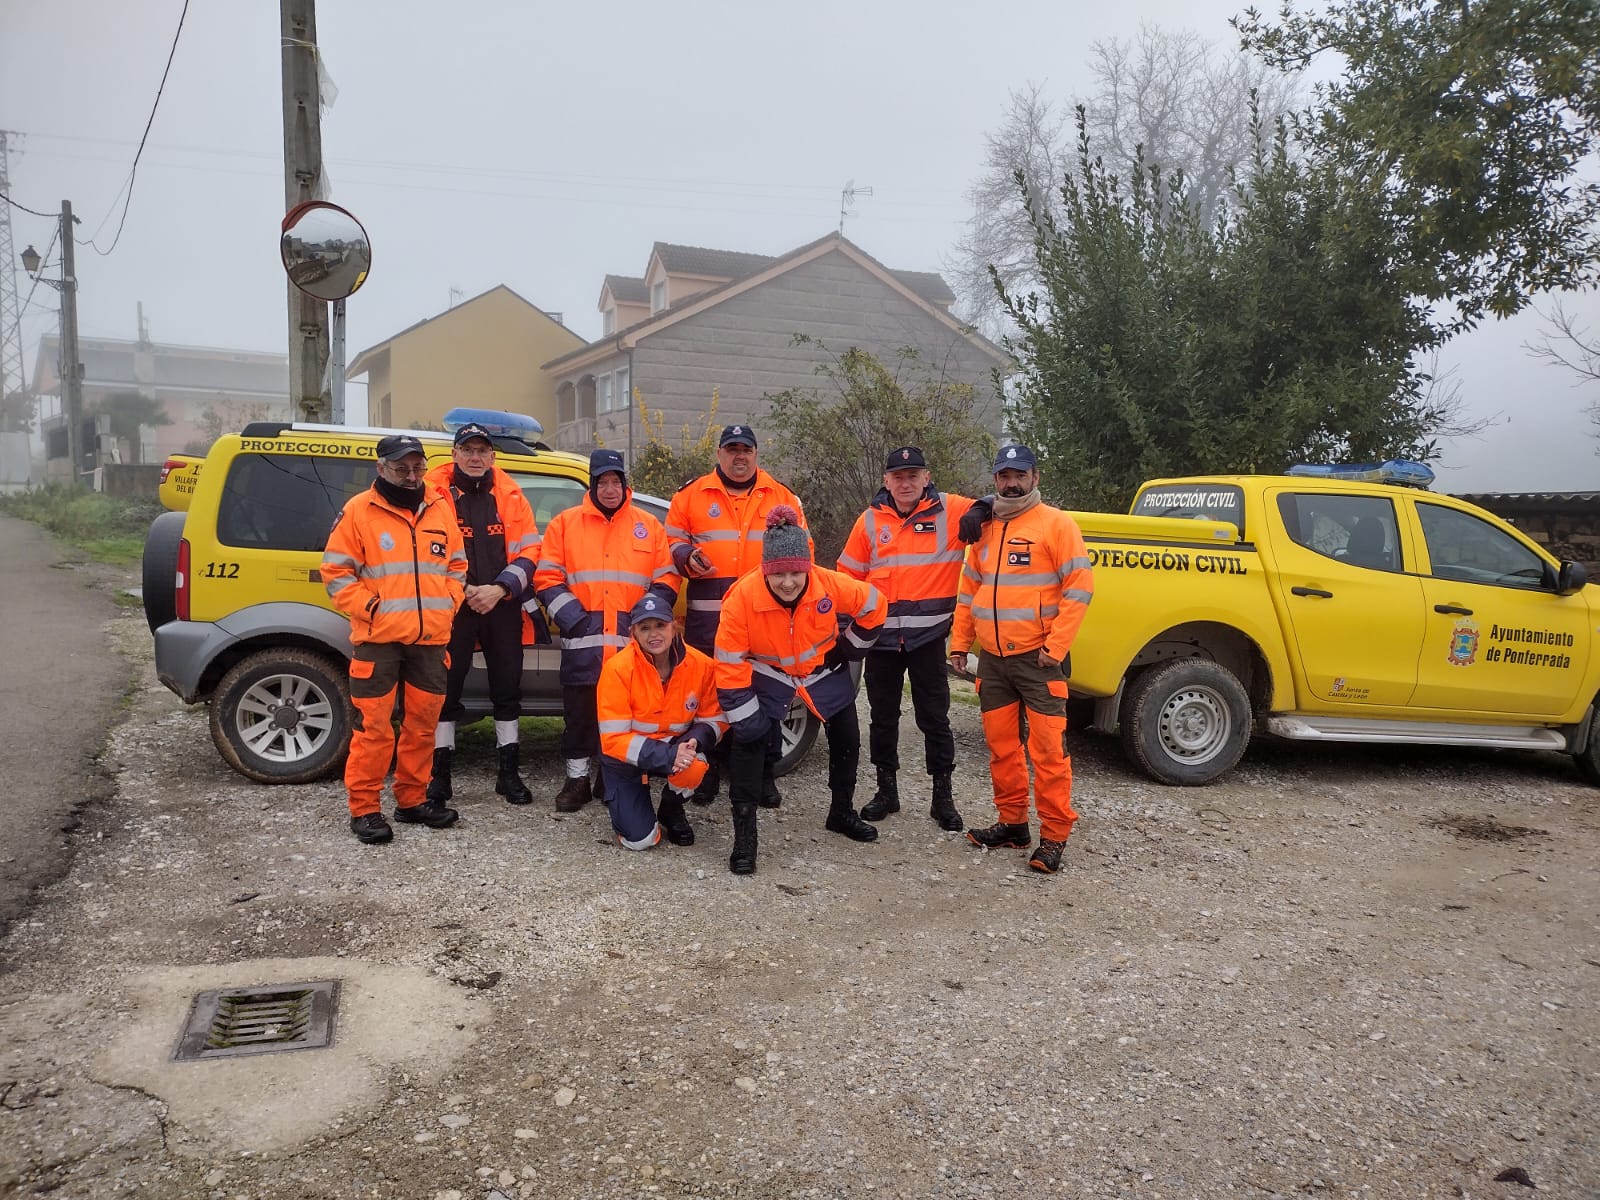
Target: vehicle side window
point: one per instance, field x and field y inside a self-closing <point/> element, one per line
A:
<point x="548" y="494"/>
<point x="1464" y="547"/>
<point x="286" y="501"/>
<point x="1358" y="530"/>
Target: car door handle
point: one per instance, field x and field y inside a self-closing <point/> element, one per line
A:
<point x="1452" y="609"/>
<point x="1305" y="591"/>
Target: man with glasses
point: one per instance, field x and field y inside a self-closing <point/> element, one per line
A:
<point x="396" y="566"/>
<point x="502" y="543"/>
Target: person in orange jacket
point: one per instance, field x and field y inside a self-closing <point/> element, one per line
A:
<point x="395" y="565"/>
<point x="792" y="628"/>
<point x="597" y="559"/>
<point x="908" y="545"/>
<point x="715" y="525"/>
<point x="1025" y="587"/>
<point x="658" y="716"/>
<point x="502" y="542"/>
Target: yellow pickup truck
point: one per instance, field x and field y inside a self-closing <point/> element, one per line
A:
<point x="1320" y="608"/>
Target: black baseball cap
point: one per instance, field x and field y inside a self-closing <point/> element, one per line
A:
<point x="904" y="459"/>
<point x="1014" y="458"/>
<point x="397" y="445"/>
<point x="469" y="431"/>
<point x="732" y="434"/>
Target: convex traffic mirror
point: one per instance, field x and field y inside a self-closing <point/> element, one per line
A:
<point x="325" y="250"/>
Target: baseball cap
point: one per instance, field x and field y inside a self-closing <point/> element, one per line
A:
<point x="397" y="445"/>
<point x="737" y="433"/>
<point x="905" y="458"/>
<point x="649" y="607"/>
<point x="1014" y="458"/>
<point x="472" y="430"/>
<point x="602" y="461"/>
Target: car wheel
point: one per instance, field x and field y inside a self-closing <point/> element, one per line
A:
<point x="282" y="716"/>
<point x="1186" y="722"/>
<point x="159" y="572"/>
<point x="800" y="729"/>
<point x="1589" y="761"/>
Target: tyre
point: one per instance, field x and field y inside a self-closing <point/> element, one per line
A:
<point x="1186" y="722"/>
<point x="1589" y="761"/>
<point x="159" y="573"/>
<point x="800" y="729"/>
<point x="282" y="716"/>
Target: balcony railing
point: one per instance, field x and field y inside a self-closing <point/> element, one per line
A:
<point x="576" y="435"/>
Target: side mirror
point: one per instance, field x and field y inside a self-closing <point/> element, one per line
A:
<point x="1571" y="578"/>
<point x="325" y="251"/>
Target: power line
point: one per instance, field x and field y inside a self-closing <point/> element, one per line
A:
<point x="26" y="209"/>
<point x="128" y="200"/>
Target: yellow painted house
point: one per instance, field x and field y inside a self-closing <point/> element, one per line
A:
<point x="482" y="353"/>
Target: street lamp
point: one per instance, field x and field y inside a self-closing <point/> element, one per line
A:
<point x="71" y="368"/>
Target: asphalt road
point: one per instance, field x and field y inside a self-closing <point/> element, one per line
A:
<point x="61" y="687"/>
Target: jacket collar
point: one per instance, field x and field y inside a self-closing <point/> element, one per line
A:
<point x="930" y="501"/>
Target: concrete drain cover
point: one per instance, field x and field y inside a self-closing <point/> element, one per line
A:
<point x="260" y="1020"/>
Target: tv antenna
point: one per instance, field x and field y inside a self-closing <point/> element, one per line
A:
<point x="456" y="295"/>
<point x="847" y="197"/>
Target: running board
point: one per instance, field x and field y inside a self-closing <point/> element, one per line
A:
<point x="1421" y="733"/>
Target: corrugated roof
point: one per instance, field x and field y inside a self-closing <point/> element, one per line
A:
<point x="628" y="289"/>
<point x="1491" y="500"/>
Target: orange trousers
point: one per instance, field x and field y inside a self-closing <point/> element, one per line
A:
<point x="1012" y="692"/>
<point x="378" y="670"/>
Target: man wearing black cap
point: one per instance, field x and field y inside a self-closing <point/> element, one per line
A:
<point x="598" y="558"/>
<point x="395" y="565"/>
<point x="715" y="527"/>
<point x="502" y="542"/>
<point x="908" y="545"/>
<point x="1025" y="587"/>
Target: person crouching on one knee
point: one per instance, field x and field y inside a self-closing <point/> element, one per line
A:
<point x="792" y="629"/>
<point x="659" y="716"/>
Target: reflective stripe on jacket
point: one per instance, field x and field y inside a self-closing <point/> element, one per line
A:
<point x="915" y="561"/>
<point x="642" y="722"/>
<point x="1025" y="585"/>
<point x="399" y="576"/>
<point x="592" y="569"/>
<point x="728" y="528"/>
<point x="766" y="651"/>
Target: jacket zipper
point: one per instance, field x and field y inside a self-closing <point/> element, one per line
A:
<point x="999" y="552"/>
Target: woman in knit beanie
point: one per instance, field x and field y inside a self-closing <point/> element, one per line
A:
<point x="789" y="631"/>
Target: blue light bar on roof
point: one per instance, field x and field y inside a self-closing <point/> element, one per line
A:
<point x="1398" y="471"/>
<point x="498" y="422"/>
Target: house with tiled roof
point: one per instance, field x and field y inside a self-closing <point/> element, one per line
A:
<point x="702" y="320"/>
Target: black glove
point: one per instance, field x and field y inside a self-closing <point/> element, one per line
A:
<point x="974" y="519"/>
<point x="838" y="656"/>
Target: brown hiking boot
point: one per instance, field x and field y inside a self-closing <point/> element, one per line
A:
<point x="574" y="794"/>
<point x="1046" y="856"/>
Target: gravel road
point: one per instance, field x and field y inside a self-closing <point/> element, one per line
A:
<point x="1340" y="972"/>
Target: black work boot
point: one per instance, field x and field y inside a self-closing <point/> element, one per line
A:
<point x="439" y="785"/>
<point x="574" y="794"/>
<point x="943" y="809"/>
<point x="430" y="813"/>
<point x="885" y="800"/>
<point x="671" y="816"/>
<point x="1002" y="835"/>
<point x="371" y="828"/>
<point x="770" y="796"/>
<point x="706" y="792"/>
<point x="508" y="783"/>
<point x="743" y="859"/>
<point x="843" y="818"/>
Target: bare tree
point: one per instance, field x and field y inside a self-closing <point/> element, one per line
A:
<point x="1573" y="346"/>
<point x="1187" y="103"/>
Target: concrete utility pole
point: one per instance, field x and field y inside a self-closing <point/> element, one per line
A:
<point x="71" y="362"/>
<point x="302" y="181"/>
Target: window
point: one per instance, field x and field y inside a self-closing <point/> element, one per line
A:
<point x="658" y="296"/>
<point x="621" y="394"/>
<point x="608" y="321"/>
<point x="286" y="501"/>
<point x="548" y="494"/>
<point x="602" y="394"/>
<point x="1464" y="547"/>
<point x="1357" y="530"/>
<point x="1211" y="502"/>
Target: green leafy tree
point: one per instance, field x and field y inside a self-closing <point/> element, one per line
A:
<point x="17" y="411"/>
<point x="1159" y="344"/>
<point x="1470" y="121"/>
<point x="128" y="412"/>
<point x="829" y="443"/>
<point x="661" y="465"/>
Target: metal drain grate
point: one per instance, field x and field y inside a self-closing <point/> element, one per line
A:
<point x="260" y="1020"/>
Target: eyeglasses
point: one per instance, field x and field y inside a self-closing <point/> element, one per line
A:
<point x="471" y="451"/>
<point x="406" y="472"/>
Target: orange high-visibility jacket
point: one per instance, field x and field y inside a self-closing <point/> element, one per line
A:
<point x="517" y="525"/>
<point x="728" y="528"/>
<point x="1025" y="585"/>
<point x="915" y="561"/>
<point x="592" y="569"/>
<point x="642" y="722"/>
<point x="767" y="652"/>
<point x="398" y="575"/>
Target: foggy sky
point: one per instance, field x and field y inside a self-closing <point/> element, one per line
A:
<point x="544" y="146"/>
